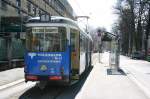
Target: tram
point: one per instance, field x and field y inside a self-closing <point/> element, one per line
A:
<point x="57" y="50"/>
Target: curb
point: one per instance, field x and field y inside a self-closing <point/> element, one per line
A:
<point x="11" y="84"/>
<point x="137" y="82"/>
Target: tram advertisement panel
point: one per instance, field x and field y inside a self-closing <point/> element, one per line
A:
<point x="45" y="63"/>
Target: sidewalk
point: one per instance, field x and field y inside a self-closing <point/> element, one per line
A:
<point x="11" y="75"/>
<point x="138" y="71"/>
<point x="99" y="85"/>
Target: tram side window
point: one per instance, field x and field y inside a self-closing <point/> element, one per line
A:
<point x="28" y="39"/>
<point x="73" y="42"/>
<point x="82" y="44"/>
<point x="63" y="38"/>
<point x="86" y="44"/>
<point x="3" y="49"/>
<point x="73" y="39"/>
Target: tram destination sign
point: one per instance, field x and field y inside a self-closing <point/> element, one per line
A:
<point x="51" y="30"/>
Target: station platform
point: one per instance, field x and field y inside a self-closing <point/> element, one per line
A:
<point x="101" y="85"/>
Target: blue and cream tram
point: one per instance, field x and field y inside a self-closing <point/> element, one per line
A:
<point x="57" y="50"/>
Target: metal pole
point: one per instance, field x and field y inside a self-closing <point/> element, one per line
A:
<point x="110" y="56"/>
<point x="116" y="61"/>
<point x="117" y="54"/>
<point x="0" y="25"/>
<point x="9" y="50"/>
<point x="87" y="25"/>
<point x="99" y="53"/>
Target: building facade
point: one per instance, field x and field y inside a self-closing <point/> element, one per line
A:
<point x="35" y="8"/>
<point x="12" y="16"/>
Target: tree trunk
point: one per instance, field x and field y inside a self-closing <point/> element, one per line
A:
<point x="147" y="33"/>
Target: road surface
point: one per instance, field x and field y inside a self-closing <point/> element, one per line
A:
<point x="96" y="84"/>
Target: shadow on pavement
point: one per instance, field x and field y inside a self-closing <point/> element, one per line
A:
<point x="56" y="92"/>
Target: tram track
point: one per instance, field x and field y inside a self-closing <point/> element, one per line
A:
<point x="11" y="84"/>
<point x="59" y="93"/>
<point x="14" y="88"/>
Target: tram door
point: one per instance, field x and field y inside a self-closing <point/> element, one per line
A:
<point x="75" y="54"/>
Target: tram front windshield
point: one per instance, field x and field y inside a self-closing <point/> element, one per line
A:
<point x="46" y="39"/>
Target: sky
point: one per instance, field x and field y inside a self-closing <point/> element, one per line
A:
<point x="101" y="12"/>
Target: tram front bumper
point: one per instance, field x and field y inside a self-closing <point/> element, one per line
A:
<point x="46" y="78"/>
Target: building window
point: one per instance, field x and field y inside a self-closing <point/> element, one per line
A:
<point x="0" y="4"/>
<point x="34" y="10"/>
<point x="29" y="7"/>
<point x="50" y="1"/>
<point x="18" y="3"/>
<point x="39" y="12"/>
<point x="3" y="5"/>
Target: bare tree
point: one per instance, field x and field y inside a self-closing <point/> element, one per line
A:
<point x="134" y="24"/>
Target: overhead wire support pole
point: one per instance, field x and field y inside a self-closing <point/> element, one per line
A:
<point x="87" y="17"/>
